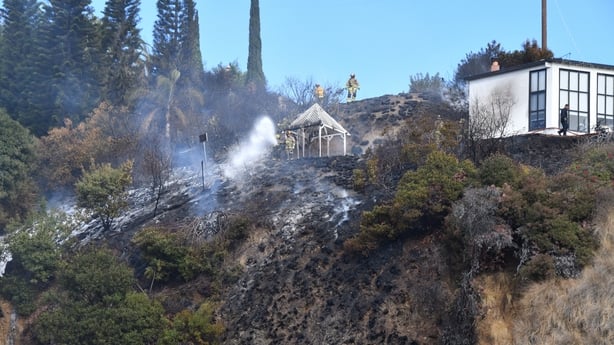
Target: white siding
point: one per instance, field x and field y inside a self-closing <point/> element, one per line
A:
<point x="481" y="89"/>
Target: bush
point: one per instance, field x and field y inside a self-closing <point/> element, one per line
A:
<point x="540" y="267"/>
<point x="17" y="162"/>
<point x="103" y="191"/>
<point x="199" y="327"/>
<point x="498" y="169"/>
<point x="423" y="198"/>
<point x="359" y="179"/>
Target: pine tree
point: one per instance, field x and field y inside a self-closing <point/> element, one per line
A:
<point x="72" y="53"/>
<point x="255" y="75"/>
<point x="22" y="82"/>
<point x="167" y="38"/>
<point x="122" y="45"/>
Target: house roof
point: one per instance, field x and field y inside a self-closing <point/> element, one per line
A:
<point x="317" y="116"/>
<point x="540" y="63"/>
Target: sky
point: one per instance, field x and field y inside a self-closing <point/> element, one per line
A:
<point x="385" y="42"/>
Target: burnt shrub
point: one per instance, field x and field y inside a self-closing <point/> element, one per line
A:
<point x="540" y="267"/>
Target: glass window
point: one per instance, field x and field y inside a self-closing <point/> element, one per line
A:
<point x="574" y="90"/>
<point x="605" y="99"/>
<point x="537" y="100"/>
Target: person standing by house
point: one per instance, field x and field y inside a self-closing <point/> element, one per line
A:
<point x="319" y="93"/>
<point x="564" y="120"/>
<point x="352" y="85"/>
<point x="290" y="144"/>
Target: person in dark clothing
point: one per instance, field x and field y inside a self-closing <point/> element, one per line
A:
<point x="564" y="120"/>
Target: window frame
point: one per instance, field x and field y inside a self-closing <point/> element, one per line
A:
<point x="574" y="89"/>
<point x="537" y="99"/>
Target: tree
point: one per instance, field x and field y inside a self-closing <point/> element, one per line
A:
<point x="255" y="74"/>
<point x="72" y="53"/>
<point x="489" y="120"/>
<point x="122" y="44"/>
<point x="24" y="90"/>
<point x="36" y="249"/>
<point x="103" y="191"/>
<point x="95" y="304"/>
<point x="430" y="86"/>
<point x="157" y="166"/>
<point x="301" y="93"/>
<point x="192" y="61"/>
<point x="17" y="162"/>
<point x="168" y="36"/>
<point x="476" y="63"/>
<point x="530" y="52"/>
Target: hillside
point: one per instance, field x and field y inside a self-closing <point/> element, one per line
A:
<point x="293" y="283"/>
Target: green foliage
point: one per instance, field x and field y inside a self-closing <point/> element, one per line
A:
<point x="197" y="327"/>
<point x="596" y="165"/>
<point x="94" y="275"/>
<point x="36" y="248"/>
<point x="122" y="63"/>
<point x="163" y="251"/>
<point x="94" y="304"/>
<point x="359" y="179"/>
<point x="17" y="161"/>
<point x="430" y="86"/>
<point x="498" y="169"/>
<point x="255" y="74"/>
<point x="423" y="198"/>
<point x="36" y="254"/>
<point x="103" y="191"/>
<point x="20" y="292"/>
<point x="169" y="257"/>
<point x="551" y="215"/>
<point x="530" y="52"/>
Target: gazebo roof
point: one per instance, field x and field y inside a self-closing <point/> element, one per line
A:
<point x="317" y="116"/>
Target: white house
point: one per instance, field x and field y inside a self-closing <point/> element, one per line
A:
<point x="540" y="89"/>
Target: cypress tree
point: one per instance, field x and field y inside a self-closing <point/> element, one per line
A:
<point x="255" y="75"/>
<point x="192" y="60"/>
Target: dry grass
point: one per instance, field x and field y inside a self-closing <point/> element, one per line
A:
<point x="495" y="327"/>
<point x="578" y="311"/>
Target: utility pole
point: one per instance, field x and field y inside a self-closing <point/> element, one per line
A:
<point x="544" y="25"/>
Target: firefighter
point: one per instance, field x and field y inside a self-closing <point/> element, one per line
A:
<point x="290" y="144"/>
<point x="352" y="85"/>
<point x="319" y="93"/>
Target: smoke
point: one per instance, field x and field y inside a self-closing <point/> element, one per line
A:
<point x="250" y="151"/>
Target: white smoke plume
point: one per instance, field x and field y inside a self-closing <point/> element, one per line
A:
<point x="250" y="151"/>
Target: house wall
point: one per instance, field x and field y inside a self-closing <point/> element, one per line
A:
<point x="480" y="90"/>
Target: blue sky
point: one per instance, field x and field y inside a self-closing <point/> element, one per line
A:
<point x="385" y="42"/>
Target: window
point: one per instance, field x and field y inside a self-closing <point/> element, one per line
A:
<point x="537" y="100"/>
<point x="605" y="99"/>
<point x="573" y="90"/>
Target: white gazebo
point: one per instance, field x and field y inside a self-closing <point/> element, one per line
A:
<point x="316" y="124"/>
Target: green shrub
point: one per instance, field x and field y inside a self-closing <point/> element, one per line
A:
<point x="164" y="253"/>
<point x="596" y="164"/>
<point x="194" y="327"/>
<point x="498" y="169"/>
<point x="103" y="191"/>
<point x="359" y="179"/>
<point x="422" y="200"/>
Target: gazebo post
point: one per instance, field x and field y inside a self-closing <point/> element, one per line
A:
<point x="320" y="139"/>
